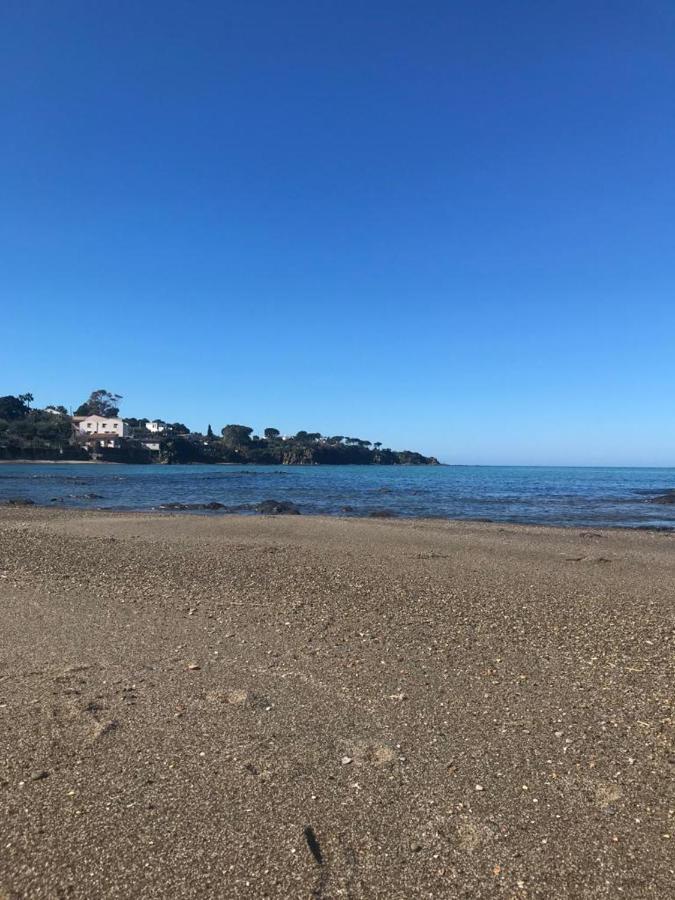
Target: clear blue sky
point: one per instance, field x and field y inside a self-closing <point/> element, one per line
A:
<point x="448" y="226"/>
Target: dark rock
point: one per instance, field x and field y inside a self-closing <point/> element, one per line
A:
<point x="382" y="514"/>
<point x="19" y="501"/>
<point x="347" y="509"/>
<point x="185" y="506"/>
<point x="668" y="497"/>
<point x="277" y="508"/>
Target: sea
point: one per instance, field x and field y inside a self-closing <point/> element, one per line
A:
<point x="589" y="497"/>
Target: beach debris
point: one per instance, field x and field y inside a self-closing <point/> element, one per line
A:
<point x="39" y="776"/>
<point x="313" y="844"/>
<point x="193" y="667"/>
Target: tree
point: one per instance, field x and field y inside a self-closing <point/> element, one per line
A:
<point x="12" y="408"/>
<point x="100" y="403"/>
<point x="209" y="432"/>
<point x="180" y="450"/>
<point x="377" y="445"/>
<point x="27" y="399"/>
<point x="236" y="435"/>
<point x="53" y="428"/>
<point x="271" y="433"/>
<point x="178" y="428"/>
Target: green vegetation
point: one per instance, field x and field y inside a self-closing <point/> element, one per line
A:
<point x="100" y="403"/>
<point x="51" y="434"/>
<point x="33" y="433"/>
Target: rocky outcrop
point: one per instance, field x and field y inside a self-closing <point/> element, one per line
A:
<point x="667" y="498"/>
<point x="277" y="508"/>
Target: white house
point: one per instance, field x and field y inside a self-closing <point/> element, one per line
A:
<point x="156" y="426"/>
<point x="115" y="427"/>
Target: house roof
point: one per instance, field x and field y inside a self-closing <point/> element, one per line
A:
<point x="100" y="418"/>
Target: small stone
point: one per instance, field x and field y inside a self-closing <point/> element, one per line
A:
<point x="479" y="787"/>
<point x="346" y="760"/>
<point x="194" y="667"/>
<point x="38" y="776"/>
<point x="416" y="848"/>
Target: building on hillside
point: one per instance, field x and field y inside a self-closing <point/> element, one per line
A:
<point x="95" y="425"/>
<point x="156" y="426"/>
<point x="106" y="441"/>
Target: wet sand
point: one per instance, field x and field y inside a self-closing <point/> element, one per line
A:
<point x="220" y="707"/>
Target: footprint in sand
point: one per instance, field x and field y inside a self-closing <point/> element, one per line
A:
<point x="607" y="794"/>
<point x="238" y="697"/>
<point x="371" y="753"/>
<point x="603" y="794"/>
<point x="472" y="835"/>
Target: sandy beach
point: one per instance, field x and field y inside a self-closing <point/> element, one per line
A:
<point x="217" y="707"/>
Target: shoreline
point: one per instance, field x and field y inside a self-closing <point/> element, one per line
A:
<point x="207" y="513"/>
<point x="56" y="462"/>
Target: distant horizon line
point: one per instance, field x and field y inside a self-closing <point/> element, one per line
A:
<point x="552" y="466"/>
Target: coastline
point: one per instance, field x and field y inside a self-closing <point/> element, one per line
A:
<point x="55" y="462"/>
<point x="449" y="707"/>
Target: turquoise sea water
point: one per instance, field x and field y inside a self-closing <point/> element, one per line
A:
<point x="552" y="496"/>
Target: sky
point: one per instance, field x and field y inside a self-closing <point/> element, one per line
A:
<point x="446" y="226"/>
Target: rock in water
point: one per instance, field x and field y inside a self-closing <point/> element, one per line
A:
<point x="668" y="497"/>
<point x="277" y="508"/>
